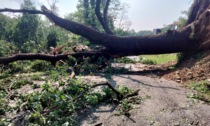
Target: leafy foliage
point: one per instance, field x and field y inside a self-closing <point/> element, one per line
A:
<point x="6" y="48"/>
<point x="52" y="39"/>
<point x="26" y="29"/>
<point x="203" y="88"/>
<point x="40" y="65"/>
<point x="51" y="104"/>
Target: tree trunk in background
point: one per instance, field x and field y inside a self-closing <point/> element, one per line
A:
<point x="188" y="38"/>
<point x="103" y="20"/>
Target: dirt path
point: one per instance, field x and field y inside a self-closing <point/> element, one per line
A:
<point x="165" y="104"/>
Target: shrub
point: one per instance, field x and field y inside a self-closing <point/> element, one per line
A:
<point x="15" y="67"/>
<point x="40" y="65"/>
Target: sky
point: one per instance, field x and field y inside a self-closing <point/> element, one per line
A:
<point x="143" y="14"/>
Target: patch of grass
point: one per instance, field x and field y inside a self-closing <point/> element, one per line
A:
<point x="196" y="96"/>
<point x="124" y="60"/>
<point x="149" y="62"/>
<point x="4" y="75"/>
<point x="3" y="107"/>
<point x="124" y="90"/>
<point x="125" y="107"/>
<point x="3" y="104"/>
<point x="157" y="59"/>
<point x="203" y="88"/>
<point x="15" y="84"/>
<point x="36" y="77"/>
<point x="127" y="104"/>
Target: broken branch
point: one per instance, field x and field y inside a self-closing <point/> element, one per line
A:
<point x="47" y="57"/>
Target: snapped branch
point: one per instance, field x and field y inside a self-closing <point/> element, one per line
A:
<point x="47" y="57"/>
<point x="22" y="11"/>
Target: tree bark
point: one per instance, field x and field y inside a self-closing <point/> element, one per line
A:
<point x="197" y="8"/>
<point x="103" y="20"/>
<point x="47" y="57"/>
<point x="188" y="38"/>
<point x="31" y="56"/>
<point x="106" y="10"/>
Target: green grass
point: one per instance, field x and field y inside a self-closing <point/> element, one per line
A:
<point x="203" y="90"/>
<point x="202" y="87"/>
<point x="158" y="59"/>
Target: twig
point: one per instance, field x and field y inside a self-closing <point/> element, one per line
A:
<point x="20" y="118"/>
<point x="73" y="71"/>
<point x="135" y="93"/>
<point x="119" y="95"/>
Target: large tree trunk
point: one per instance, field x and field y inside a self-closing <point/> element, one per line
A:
<point x="197" y="8"/>
<point x="194" y="36"/>
<point x="48" y="57"/>
<point x="186" y="39"/>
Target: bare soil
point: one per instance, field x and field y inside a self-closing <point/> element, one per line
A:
<point x="166" y="98"/>
<point x="194" y="69"/>
<point x="165" y="104"/>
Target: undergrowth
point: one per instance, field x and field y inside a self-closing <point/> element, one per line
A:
<point x="51" y="103"/>
<point x="55" y="105"/>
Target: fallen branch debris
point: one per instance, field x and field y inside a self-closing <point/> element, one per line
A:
<point x="48" y="57"/>
<point x="119" y="95"/>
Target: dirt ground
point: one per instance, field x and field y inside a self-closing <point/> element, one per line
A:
<point x="166" y="98"/>
<point x="191" y="70"/>
<point x="165" y="103"/>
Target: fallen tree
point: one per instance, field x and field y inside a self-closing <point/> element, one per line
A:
<point x="47" y="57"/>
<point x="194" y="36"/>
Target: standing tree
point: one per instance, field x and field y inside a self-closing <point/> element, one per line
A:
<point x="26" y="28"/>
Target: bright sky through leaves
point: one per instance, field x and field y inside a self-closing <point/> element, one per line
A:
<point x="143" y="14"/>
